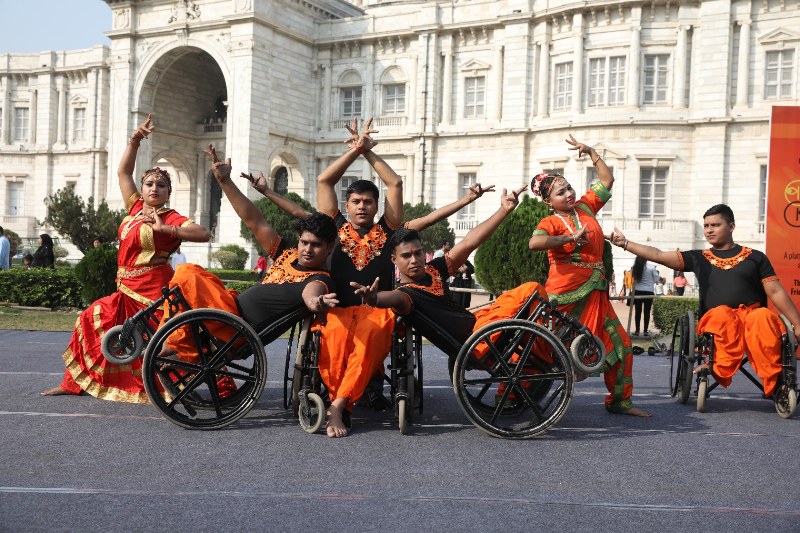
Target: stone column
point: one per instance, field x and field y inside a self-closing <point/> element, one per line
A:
<point x="410" y="179"/>
<point x="542" y="109"/>
<point x="32" y="116"/>
<point x="62" y="112"/>
<point x="369" y="109"/>
<point x="679" y="98"/>
<point x="743" y="68"/>
<point x="411" y="96"/>
<point x="577" y="64"/>
<point x="447" y="86"/>
<point x="497" y="108"/>
<point x="326" y="97"/>
<point x="6" y="119"/>
<point x="634" y="71"/>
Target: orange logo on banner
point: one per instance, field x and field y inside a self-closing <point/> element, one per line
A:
<point x="792" y="191"/>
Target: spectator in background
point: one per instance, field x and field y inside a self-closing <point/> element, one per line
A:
<point x="444" y="247"/>
<point x="177" y="258"/>
<point x="261" y="267"/>
<point x="645" y="275"/>
<point x="5" y="251"/>
<point x="27" y="261"/>
<point x="97" y="242"/>
<point x="463" y="278"/>
<point x="679" y="283"/>
<point x="627" y="283"/>
<point x="44" y="257"/>
<point x="658" y="287"/>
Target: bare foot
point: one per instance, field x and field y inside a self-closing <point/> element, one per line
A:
<point x="55" y="391"/>
<point x="635" y="411"/>
<point x="335" y="427"/>
<point x="580" y="376"/>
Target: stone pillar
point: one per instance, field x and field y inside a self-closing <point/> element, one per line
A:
<point x="411" y="96"/>
<point x="577" y="64"/>
<point x="497" y="108"/>
<point x="447" y="86"/>
<point x="679" y="98"/>
<point x="369" y="109"/>
<point x="634" y="72"/>
<point x="743" y="68"/>
<point x="62" y="112"/>
<point x="409" y="180"/>
<point x="33" y="115"/>
<point x="6" y="119"/>
<point x="327" y="93"/>
<point x="542" y="109"/>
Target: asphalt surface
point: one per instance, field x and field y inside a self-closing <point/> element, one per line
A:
<point x="78" y="463"/>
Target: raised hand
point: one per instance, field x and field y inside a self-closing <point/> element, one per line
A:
<point x="476" y="191"/>
<point x="324" y="302"/>
<point x="581" y="237"/>
<point x="369" y="294"/>
<point x="362" y="142"/>
<point x="616" y="238"/>
<point x="579" y="146"/>
<point x="154" y="221"/>
<point x="259" y="184"/>
<point x="222" y="171"/>
<point x="145" y="128"/>
<point x="509" y="201"/>
<point x="212" y="152"/>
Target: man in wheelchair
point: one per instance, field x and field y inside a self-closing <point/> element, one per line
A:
<point x="735" y="284"/>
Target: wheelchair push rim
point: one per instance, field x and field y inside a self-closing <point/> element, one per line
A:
<point x="521" y="386"/>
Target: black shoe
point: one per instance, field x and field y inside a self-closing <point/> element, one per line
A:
<point x="347" y="419"/>
<point x="377" y="400"/>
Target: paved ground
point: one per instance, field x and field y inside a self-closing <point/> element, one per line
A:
<point x="77" y="463"/>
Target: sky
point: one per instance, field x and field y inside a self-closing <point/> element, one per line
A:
<point x="40" y="25"/>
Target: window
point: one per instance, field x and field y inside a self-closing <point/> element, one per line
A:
<point x="281" y="185"/>
<point x="656" y="73"/>
<point x="467" y="180"/>
<point x="779" y="73"/>
<point x="394" y="99"/>
<point x="762" y="194"/>
<point x="591" y="178"/>
<point x="563" y="86"/>
<point x="474" y="96"/>
<point x="606" y="81"/>
<point x="21" y="118"/>
<point x="652" y="192"/>
<point x="351" y="102"/>
<point x="344" y="183"/>
<point x="79" y="124"/>
<point x="15" y="198"/>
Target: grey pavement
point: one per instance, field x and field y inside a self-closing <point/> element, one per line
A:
<point x="77" y="463"/>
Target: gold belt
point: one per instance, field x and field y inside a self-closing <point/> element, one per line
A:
<point x="128" y="273"/>
<point x="597" y="266"/>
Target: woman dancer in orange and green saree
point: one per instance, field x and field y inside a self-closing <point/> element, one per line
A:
<point x="574" y="242"/>
<point x="147" y="236"/>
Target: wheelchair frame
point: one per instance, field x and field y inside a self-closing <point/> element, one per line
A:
<point x="691" y="350"/>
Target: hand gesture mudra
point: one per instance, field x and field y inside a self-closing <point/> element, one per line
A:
<point x="616" y="238"/>
<point x="477" y="190"/>
<point x="259" y="184"/>
<point x="509" y="201"/>
<point x="581" y="237"/>
<point x="362" y="142"/>
<point x="579" y="146"/>
<point x="369" y="294"/>
<point x="154" y="221"/>
<point x="145" y="128"/>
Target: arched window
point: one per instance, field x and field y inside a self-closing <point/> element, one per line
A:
<point x="393" y="89"/>
<point x="350" y="95"/>
<point x="281" y="185"/>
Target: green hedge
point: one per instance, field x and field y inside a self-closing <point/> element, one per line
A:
<point x="239" y="286"/>
<point x="237" y="275"/>
<point x="667" y="309"/>
<point x="41" y="287"/>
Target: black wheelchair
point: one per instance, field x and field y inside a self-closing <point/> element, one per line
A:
<point x="303" y="391"/>
<point x="514" y="378"/>
<point x="223" y="345"/>
<point x="689" y="350"/>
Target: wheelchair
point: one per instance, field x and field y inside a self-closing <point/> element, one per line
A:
<point x="224" y="345"/>
<point x="302" y="385"/>
<point x="514" y="378"/>
<point x="689" y="350"/>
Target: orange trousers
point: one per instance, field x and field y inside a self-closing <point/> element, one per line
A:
<point x="353" y="345"/>
<point x="755" y="331"/>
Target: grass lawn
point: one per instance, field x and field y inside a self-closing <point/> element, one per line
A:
<point x="14" y="318"/>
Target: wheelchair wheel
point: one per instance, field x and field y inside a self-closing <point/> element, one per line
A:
<point x="501" y="393"/>
<point x="117" y="352"/>
<point x="702" y="395"/>
<point x="224" y="348"/>
<point x="682" y="356"/>
<point x="785" y="401"/>
<point x="305" y="367"/>
<point x="288" y="371"/>
<point x="403" y="415"/>
<point x="311" y="411"/>
<point x="588" y="353"/>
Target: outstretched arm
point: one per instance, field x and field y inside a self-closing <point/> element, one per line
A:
<point x="288" y="206"/>
<point x="370" y="295"/>
<point x="480" y="233"/>
<point x="668" y="259"/>
<point x="777" y="294"/>
<point x="475" y="192"/>
<point x="265" y="234"/>
<point x="316" y="299"/>
<point x="603" y="172"/>
<point x="127" y="185"/>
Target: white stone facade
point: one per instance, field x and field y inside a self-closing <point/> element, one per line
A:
<point x="676" y="95"/>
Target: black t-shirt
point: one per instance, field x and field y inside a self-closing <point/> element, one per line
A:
<point x="431" y="304"/>
<point x="729" y="277"/>
<point x="280" y="294"/>
<point x="361" y="256"/>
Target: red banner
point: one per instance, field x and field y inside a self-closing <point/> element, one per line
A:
<point x="783" y="198"/>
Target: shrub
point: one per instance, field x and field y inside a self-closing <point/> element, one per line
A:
<point x="40" y="287"/>
<point x="80" y="221"/>
<point x="97" y="272"/>
<point x="433" y="234"/>
<point x="278" y="219"/>
<point x="230" y="257"/>
<point x="60" y="252"/>
<point x="239" y="286"/>
<point x="667" y="309"/>
<point x="504" y="261"/>
<point x="234" y="275"/>
<point x="14" y="241"/>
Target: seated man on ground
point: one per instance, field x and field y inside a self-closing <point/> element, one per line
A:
<point x="735" y="284"/>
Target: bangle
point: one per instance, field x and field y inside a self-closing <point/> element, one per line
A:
<point x="134" y="141"/>
<point x="174" y="232"/>
<point x="360" y="149"/>
<point x="625" y="245"/>
<point x="594" y="161"/>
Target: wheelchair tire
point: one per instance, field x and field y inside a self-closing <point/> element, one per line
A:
<point x="588" y="353"/>
<point x="311" y="413"/>
<point x="785" y="401"/>
<point x="288" y="374"/>
<point x="115" y="352"/>
<point x="685" y="372"/>
<point x="226" y="346"/>
<point x="403" y="415"/>
<point x="702" y="395"/>
<point x="520" y="352"/>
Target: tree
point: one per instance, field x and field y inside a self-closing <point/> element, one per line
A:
<point x="97" y="273"/>
<point x="434" y="234"/>
<point x="504" y="261"/>
<point x="80" y="222"/>
<point x="278" y="219"/>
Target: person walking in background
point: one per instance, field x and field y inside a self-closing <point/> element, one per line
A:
<point x="5" y="251"/>
<point x="645" y="277"/>
<point x="463" y="279"/>
<point x="177" y="258"/>
<point x="27" y="261"/>
<point x="44" y="257"/>
<point x="679" y="284"/>
<point x="261" y="267"/>
<point x="444" y="247"/>
<point x="97" y="242"/>
<point x="627" y="283"/>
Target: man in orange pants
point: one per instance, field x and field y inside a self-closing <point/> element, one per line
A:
<point x="735" y="283"/>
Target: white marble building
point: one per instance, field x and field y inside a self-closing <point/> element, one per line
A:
<point x="677" y="95"/>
